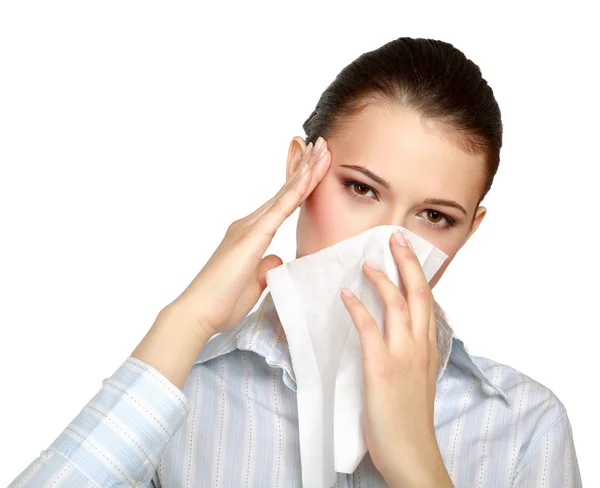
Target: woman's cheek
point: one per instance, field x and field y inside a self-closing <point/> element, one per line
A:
<point x="326" y="212"/>
<point x="451" y="248"/>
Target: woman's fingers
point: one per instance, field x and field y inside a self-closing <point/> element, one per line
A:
<point x="433" y="336"/>
<point x="371" y="343"/>
<point x="312" y="156"/>
<point x="271" y="215"/>
<point x="232" y="280"/>
<point x="398" y="322"/>
<point x="307" y="158"/>
<point x="259" y="211"/>
<point x="410" y="318"/>
<point x="418" y="291"/>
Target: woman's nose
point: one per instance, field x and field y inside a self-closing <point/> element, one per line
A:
<point x="395" y="217"/>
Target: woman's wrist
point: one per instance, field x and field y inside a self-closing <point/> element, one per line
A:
<point x="173" y="344"/>
<point x="427" y="471"/>
<point x="430" y="476"/>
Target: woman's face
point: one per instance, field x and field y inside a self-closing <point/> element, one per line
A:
<point x="430" y="181"/>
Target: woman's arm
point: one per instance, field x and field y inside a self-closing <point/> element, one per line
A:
<point x="118" y="437"/>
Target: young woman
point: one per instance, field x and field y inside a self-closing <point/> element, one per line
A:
<point x="408" y="134"/>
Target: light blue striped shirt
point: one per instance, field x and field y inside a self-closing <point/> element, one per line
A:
<point x="235" y="423"/>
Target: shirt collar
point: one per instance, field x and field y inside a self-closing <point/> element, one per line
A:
<point x="261" y="332"/>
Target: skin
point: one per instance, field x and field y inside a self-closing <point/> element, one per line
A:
<point x="400" y="367"/>
<point x="396" y="144"/>
<point x="399" y="373"/>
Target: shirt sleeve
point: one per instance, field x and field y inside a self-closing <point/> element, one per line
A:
<point x="551" y="462"/>
<point x="118" y="437"/>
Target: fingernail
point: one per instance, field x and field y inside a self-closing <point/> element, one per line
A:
<point x="321" y="154"/>
<point x="399" y="238"/>
<point x="318" y="143"/>
<point x="371" y="264"/>
<point x="347" y="292"/>
<point x="308" y="148"/>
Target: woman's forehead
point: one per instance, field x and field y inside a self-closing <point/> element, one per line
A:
<point x="403" y="149"/>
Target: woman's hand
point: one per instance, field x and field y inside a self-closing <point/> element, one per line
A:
<point x="399" y="371"/>
<point x="233" y="279"/>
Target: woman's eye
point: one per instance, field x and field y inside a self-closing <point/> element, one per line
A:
<point x="359" y="190"/>
<point x="433" y="217"/>
<point x="437" y="219"/>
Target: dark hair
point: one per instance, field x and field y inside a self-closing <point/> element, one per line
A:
<point x="429" y="76"/>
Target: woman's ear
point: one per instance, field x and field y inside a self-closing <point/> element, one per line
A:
<point x="295" y="153"/>
<point x="479" y="215"/>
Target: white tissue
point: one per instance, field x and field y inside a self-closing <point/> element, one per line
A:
<point x="324" y="345"/>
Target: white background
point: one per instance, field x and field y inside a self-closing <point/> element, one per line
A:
<point x="133" y="133"/>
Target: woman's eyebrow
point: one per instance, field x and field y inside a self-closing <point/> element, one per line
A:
<point x="368" y="173"/>
<point x="387" y="186"/>
<point x="445" y="203"/>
